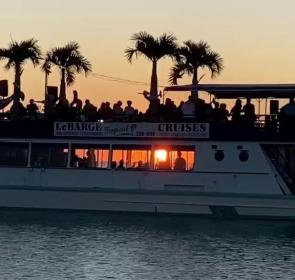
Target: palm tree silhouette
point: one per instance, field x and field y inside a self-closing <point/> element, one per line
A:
<point x="70" y="61"/>
<point x="17" y="54"/>
<point x="153" y="49"/>
<point x="193" y="56"/>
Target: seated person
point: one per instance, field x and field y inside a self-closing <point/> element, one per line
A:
<point x="141" y="165"/>
<point x="113" y="165"/>
<point x="121" y="164"/>
<point x="180" y="163"/>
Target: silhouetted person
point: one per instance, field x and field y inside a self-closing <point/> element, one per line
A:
<point x="224" y="113"/>
<point x="108" y="114"/>
<point x="289" y="108"/>
<point x="118" y="111"/>
<point x="216" y="112"/>
<point x="249" y="112"/>
<point x="287" y="117"/>
<point x="121" y="164"/>
<point x="76" y="106"/>
<point x="32" y="109"/>
<point x="153" y="111"/>
<point x="169" y="111"/>
<point x="179" y="111"/>
<point x="129" y="110"/>
<point x="17" y="111"/>
<point x="236" y="111"/>
<point x="89" y="111"/>
<point x="62" y="109"/>
<point x="101" y="111"/>
<point x="90" y="160"/>
<point x="189" y="109"/>
<point x="180" y="163"/>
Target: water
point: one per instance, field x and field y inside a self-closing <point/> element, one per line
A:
<point x="58" y="245"/>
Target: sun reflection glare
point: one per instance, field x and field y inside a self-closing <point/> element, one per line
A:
<point x="160" y="155"/>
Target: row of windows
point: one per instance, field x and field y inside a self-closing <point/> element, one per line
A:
<point x="138" y="157"/>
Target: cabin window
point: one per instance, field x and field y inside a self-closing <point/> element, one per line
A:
<point x="49" y="155"/>
<point x="14" y="154"/>
<point x="90" y="156"/>
<point x="137" y="157"/>
<point x="178" y="158"/>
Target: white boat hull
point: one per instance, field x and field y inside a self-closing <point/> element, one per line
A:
<point x="214" y="205"/>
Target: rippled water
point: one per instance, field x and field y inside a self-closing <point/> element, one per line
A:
<point x="58" y="245"/>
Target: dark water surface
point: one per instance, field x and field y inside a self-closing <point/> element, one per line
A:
<point x="58" y="245"/>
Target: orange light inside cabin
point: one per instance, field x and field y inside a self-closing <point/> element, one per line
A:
<point x="160" y="155"/>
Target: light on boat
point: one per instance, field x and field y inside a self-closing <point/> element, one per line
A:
<point x="160" y="155"/>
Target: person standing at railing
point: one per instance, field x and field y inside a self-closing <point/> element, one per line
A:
<point x="189" y="110"/>
<point x="249" y="112"/>
<point x="236" y="111"/>
<point x="129" y="110"/>
<point x="287" y="117"/>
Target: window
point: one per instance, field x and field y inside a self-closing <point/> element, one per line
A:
<point x="49" y="155"/>
<point x="14" y="154"/>
<point x="178" y="158"/>
<point x="131" y="156"/>
<point x="90" y="156"/>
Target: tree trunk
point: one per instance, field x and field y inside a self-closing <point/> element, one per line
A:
<point x="154" y="82"/>
<point x="46" y="93"/>
<point x="62" y="90"/>
<point x="17" y="83"/>
<point x="195" y="93"/>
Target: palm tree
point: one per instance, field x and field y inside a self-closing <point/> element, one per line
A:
<point x="193" y="56"/>
<point x="17" y="54"/>
<point x="70" y="61"/>
<point x="153" y="49"/>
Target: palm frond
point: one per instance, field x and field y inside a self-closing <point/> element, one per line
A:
<point x="150" y="47"/>
<point x="129" y="53"/>
<point x="70" y="76"/>
<point x="178" y="70"/>
<point x="69" y="58"/>
<point x="192" y="56"/>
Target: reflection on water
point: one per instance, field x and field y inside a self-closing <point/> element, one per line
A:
<point x="58" y="245"/>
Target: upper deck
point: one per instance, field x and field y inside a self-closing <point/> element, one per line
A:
<point x="272" y="127"/>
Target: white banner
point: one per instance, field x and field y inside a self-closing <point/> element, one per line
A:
<point x="161" y="130"/>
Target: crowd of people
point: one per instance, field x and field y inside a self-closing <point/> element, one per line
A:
<point x="89" y="161"/>
<point x="192" y="110"/>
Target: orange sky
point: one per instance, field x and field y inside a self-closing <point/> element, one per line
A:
<point x="255" y="38"/>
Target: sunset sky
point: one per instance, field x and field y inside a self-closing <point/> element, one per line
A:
<point x="256" y="39"/>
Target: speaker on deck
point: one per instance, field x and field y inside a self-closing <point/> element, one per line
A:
<point x="52" y="91"/>
<point x="3" y="88"/>
<point x="274" y="107"/>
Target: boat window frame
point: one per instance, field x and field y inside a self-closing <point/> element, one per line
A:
<point x="8" y="142"/>
<point x="172" y="148"/>
<point x="48" y="166"/>
<point x="132" y="147"/>
<point x="87" y="146"/>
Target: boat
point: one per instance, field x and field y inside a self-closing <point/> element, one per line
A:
<point x="227" y="171"/>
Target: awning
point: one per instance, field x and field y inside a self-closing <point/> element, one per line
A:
<point x="232" y="91"/>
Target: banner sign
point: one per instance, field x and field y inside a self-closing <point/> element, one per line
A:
<point x="147" y="130"/>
